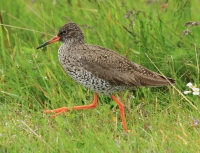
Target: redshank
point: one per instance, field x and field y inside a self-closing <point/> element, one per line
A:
<point x="100" y="69"/>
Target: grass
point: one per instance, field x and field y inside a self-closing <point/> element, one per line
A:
<point x="159" y="119"/>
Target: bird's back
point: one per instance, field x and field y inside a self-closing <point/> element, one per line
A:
<point x="93" y="65"/>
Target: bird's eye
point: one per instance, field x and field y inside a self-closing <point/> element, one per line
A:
<point x="64" y="31"/>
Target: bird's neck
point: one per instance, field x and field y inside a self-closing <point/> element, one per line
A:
<point x="74" y="41"/>
<point x="68" y="44"/>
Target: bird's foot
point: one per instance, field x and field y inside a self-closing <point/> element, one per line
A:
<point x="56" y="111"/>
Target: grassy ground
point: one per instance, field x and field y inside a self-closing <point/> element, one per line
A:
<point x="148" y="33"/>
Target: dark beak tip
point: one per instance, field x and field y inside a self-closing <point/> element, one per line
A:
<point x="39" y="47"/>
<point x="54" y="39"/>
<point x="46" y="43"/>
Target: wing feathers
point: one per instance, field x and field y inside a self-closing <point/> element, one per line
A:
<point x="118" y="70"/>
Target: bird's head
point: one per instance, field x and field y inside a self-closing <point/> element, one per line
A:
<point x="69" y="33"/>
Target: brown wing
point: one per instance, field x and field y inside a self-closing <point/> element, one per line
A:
<point x="116" y="69"/>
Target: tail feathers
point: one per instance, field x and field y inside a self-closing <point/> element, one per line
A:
<point x="158" y="81"/>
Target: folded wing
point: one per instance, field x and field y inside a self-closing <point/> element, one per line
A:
<point x="118" y="70"/>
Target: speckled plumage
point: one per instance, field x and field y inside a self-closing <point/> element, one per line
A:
<point x="100" y="69"/>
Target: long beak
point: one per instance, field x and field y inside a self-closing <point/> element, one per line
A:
<point x="54" y="39"/>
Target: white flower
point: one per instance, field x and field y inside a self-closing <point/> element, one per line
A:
<point x="186" y="92"/>
<point x="195" y="89"/>
<point x="189" y="85"/>
<point x="196" y="93"/>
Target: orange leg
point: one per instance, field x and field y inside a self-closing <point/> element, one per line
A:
<point x="121" y="108"/>
<point x="66" y="109"/>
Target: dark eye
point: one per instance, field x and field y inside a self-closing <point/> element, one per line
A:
<point x="64" y="31"/>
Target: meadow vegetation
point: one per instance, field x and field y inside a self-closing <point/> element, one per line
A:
<point x="150" y="33"/>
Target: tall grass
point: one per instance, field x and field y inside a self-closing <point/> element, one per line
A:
<point x="159" y="119"/>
